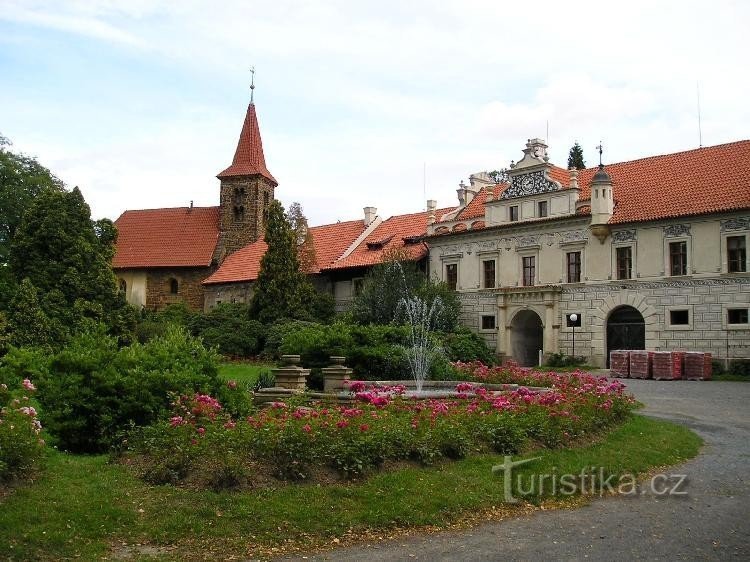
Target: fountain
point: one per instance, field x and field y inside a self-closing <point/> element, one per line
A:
<point x="422" y="318"/>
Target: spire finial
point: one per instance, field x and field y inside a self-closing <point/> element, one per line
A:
<point x="600" y="148"/>
<point x="252" y="84"/>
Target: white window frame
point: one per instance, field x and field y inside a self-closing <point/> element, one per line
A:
<point x="566" y="249"/>
<point x="487" y="330"/>
<point x="528" y="253"/>
<point x="488" y="257"/>
<point x="668" y="256"/>
<point x="725" y="251"/>
<point x="668" y="317"/>
<point x="725" y="316"/>
<point x="633" y="260"/>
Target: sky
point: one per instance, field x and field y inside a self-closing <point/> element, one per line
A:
<point x="140" y="103"/>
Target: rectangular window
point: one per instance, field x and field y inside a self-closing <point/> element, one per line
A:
<point x="678" y="258"/>
<point x="451" y="275"/>
<point x="529" y="270"/>
<point x="542" y="208"/>
<point x="624" y="258"/>
<point x="574" y="267"/>
<point x="488" y="322"/>
<point x="679" y="317"/>
<point x="737" y="316"/>
<point x="736" y="254"/>
<point x="513" y="213"/>
<point x="488" y="269"/>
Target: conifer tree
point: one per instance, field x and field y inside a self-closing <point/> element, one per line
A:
<point x="28" y="325"/>
<point x="282" y="290"/>
<point x="67" y="258"/>
<point x="575" y="157"/>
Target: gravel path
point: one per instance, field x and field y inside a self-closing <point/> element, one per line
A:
<point x="712" y="522"/>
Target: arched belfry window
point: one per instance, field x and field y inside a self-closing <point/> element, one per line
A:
<point x="174" y="286"/>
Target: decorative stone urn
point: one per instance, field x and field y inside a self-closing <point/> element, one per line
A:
<point x="336" y="375"/>
<point x="291" y="375"/>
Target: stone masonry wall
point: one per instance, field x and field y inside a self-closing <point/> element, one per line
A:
<point x="705" y="299"/>
<point x="473" y="307"/>
<point x="190" y="289"/>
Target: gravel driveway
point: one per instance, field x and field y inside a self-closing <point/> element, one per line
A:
<point x="712" y="522"/>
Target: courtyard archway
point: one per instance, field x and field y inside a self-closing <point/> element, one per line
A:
<point x="527" y="338"/>
<point x="626" y="329"/>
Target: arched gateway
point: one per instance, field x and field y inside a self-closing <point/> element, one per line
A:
<point x="626" y="329"/>
<point x="527" y="338"/>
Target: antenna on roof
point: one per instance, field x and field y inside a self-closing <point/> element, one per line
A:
<point x="252" y="84"/>
<point x="600" y="148"/>
<point x="698" y="95"/>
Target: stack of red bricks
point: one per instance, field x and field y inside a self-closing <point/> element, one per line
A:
<point x="640" y="364"/>
<point x="667" y="365"/>
<point x="697" y="366"/>
<point x="619" y="363"/>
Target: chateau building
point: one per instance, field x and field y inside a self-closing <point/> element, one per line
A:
<point x="647" y="254"/>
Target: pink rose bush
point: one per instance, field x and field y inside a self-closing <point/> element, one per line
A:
<point x="21" y="445"/>
<point x="381" y="424"/>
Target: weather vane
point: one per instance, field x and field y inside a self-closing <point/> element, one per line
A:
<point x="252" y="84"/>
<point x="600" y="148"/>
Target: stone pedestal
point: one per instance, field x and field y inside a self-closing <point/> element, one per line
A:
<point x="291" y="375"/>
<point x="336" y="375"/>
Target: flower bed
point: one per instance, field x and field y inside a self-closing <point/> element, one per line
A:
<point x="21" y="447"/>
<point x="201" y="444"/>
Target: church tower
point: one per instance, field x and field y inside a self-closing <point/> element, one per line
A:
<point x="247" y="189"/>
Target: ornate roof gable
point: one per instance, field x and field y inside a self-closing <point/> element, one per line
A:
<point x="529" y="176"/>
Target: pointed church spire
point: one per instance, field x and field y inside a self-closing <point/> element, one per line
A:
<point x="248" y="158"/>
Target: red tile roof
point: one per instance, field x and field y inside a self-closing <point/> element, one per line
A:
<point x="330" y="242"/>
<point x="176" y="237"/>
<point x="389" y="235"/>
<point x="694" y="182"/>
<point x="248" y="158"/>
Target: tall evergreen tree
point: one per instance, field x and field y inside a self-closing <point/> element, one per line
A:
<point x="28" y="325"/>
<point x="22" y="179"/>
<point x="575" y="157"/>
<point x="282" y="290"/>
<point x="304" y="237"/>
<point x="67" y="258"/>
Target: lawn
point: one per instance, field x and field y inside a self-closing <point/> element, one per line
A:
<point x="245" y="374"/>
<point x="83" y="506"/>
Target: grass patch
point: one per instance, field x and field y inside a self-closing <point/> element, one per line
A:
<point x="84" y="507"/>
<point x="244" y="373"/>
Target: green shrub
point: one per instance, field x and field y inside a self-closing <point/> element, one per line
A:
<point x="276" y="332"/>
<point x="93" y="391"/>
<point x="562" y="360"/>
<point x="229" y="329"/>
<point x="739" y="367"/>
<point x="464" y="345"/>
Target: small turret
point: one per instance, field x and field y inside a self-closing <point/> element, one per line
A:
<point x="602" y="203"/>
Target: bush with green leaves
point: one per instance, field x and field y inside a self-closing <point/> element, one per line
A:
<point x="465" y="345"/>
<point x="92" y="391"/>
<point x="229" y="329"/>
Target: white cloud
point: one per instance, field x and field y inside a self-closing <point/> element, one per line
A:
<point x="355" y="97"/>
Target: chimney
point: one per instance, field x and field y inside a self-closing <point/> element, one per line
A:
<point x="431" y="208"/>
<point x="370" y="214"/>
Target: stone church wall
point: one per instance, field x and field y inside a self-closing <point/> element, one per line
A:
<point x="189" y="287"/>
